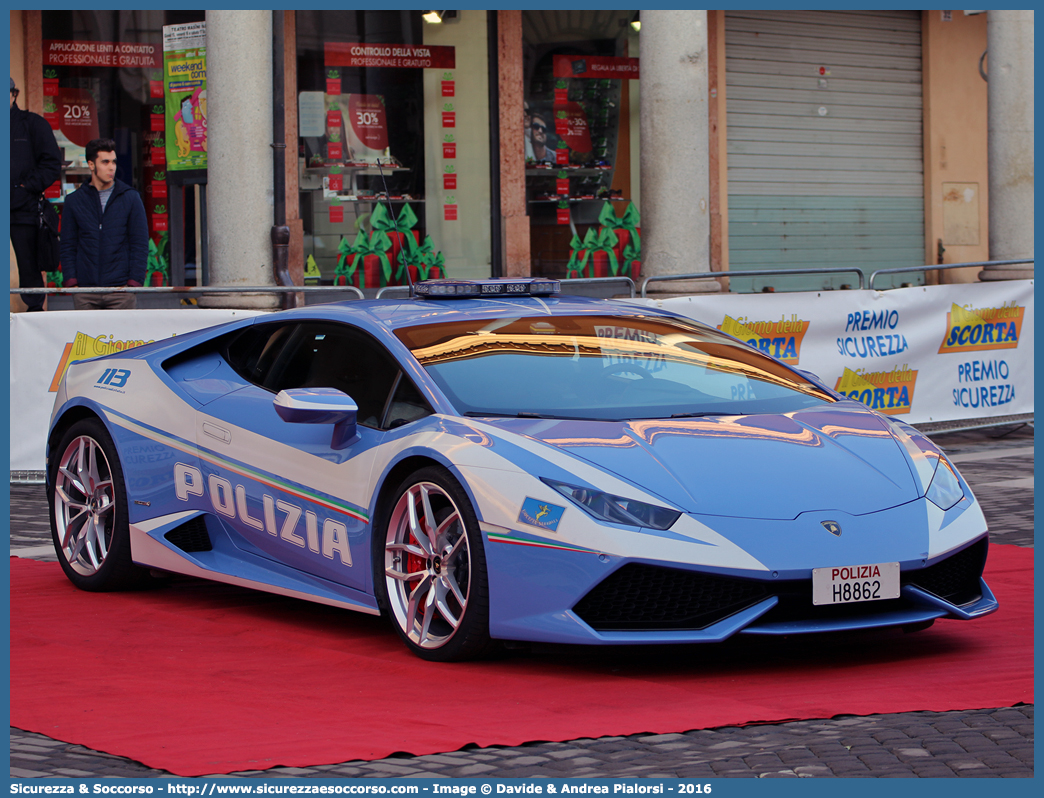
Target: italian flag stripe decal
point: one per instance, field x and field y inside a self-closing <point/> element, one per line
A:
<point x="498" y="537"/>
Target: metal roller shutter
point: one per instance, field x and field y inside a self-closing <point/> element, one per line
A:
<point x="825" y="152"/>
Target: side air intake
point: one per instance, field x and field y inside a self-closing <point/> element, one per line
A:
<point x="191" y="536"/>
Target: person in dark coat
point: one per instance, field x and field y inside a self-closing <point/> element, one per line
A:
<point x="105" y="237"/>
<point x="36" y="162"/>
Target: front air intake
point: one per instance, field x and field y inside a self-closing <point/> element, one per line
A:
<point x="643" y="597"/>
<point x="955" y="579"/>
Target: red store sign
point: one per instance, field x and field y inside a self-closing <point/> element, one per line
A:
<point x="402" y="56"/>
<point x="595" y="66"/>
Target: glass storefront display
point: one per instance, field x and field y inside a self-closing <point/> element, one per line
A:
<point x="103" y="78"/>
<point x="580" y="86"/>
<point x="393" y="146"/>
<point x="397" y="131"/>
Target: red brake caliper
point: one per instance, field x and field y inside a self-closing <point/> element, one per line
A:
<point x="415" y="564"/>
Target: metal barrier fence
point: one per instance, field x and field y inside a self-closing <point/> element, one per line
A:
<point x="863" y="282"/>
<point x="579" y="283"/>
<point x="981" y="264"/>
<point x="752" y="273"/>
<point x="190" y="290"/>
<point x="178" y="290"/>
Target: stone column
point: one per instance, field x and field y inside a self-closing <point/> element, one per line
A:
<point x="675" y="132"/>
<point x="515" y="243"/>
<point x="1009" y="37"/>
<point x="239" y="155"/>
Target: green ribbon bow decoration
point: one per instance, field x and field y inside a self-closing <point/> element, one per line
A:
<point x="426" y="258"/>
<point x="157" y="259"/>
<point x="440" y="261"/>
<point x="603" y="241"/>
<point x="381" y="221"/>
<point x="630" y="221"/>
<point x="631" y="254"/>
<point x="577" y="256"/>
<point x="345" y="250"/>
<point x="377" y="244"/>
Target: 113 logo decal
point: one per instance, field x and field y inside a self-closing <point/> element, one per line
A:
<point x="116" y="378"/>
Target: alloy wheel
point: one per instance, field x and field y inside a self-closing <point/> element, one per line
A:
<point x="427" y="565"/>
<point x="84" y="505"/>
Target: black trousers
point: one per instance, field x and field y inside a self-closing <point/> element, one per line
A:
<point x="23" y="237"/>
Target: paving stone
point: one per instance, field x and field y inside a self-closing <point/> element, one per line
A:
<point x="879" y="759"/>
<point x="385" y="766"/>
<point x="528" y="760"/>
<point x="22" y="773"/>
<point x="475" y="770"/>
<point x="813" y="770"/>
<point x="577" y="762"/>
<point x="39" y="742"/>
<point x="934" y="771"/>
<point x="940" y="747"/>
<point x="679" y="746"/>
<point x="912" y="752"/>
<point x="662" y="738"/>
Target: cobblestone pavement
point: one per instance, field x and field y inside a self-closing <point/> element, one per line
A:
<point x="983" y="743"/>
<point x="979" y="743"/>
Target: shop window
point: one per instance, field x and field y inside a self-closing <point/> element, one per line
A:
<point x="580" y="90"/>
<point x="393" y="121"/>
<point x="103" y="78"/>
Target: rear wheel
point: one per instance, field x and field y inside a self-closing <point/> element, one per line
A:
<point x="88" y="508"/>
<point x="432" y="569"/>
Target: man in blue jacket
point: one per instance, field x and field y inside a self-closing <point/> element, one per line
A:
<point x="105" y="238"/>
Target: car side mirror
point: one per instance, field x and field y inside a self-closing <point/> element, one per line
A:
<point x="320" y="406"/>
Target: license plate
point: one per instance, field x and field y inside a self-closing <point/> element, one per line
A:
<point x="848" y="584"/>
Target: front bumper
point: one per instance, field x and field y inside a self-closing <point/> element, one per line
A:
<point x="642" y="602"/>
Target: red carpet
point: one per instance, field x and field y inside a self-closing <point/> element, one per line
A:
<point x="199" y="678"/>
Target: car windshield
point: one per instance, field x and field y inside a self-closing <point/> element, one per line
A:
<point x="603" y="368"/>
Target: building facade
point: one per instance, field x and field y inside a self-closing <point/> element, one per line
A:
<point x="497" y="140"/>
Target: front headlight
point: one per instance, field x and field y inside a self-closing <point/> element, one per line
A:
<point x="617" y="509"/>
<point x="945" y="490"/>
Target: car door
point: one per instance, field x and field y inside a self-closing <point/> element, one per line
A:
<point x="282" y="488"/>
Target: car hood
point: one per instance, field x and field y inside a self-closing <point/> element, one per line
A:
<point x="763" y="466"/>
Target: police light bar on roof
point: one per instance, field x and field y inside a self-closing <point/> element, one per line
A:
<point x="470" y="289"/>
